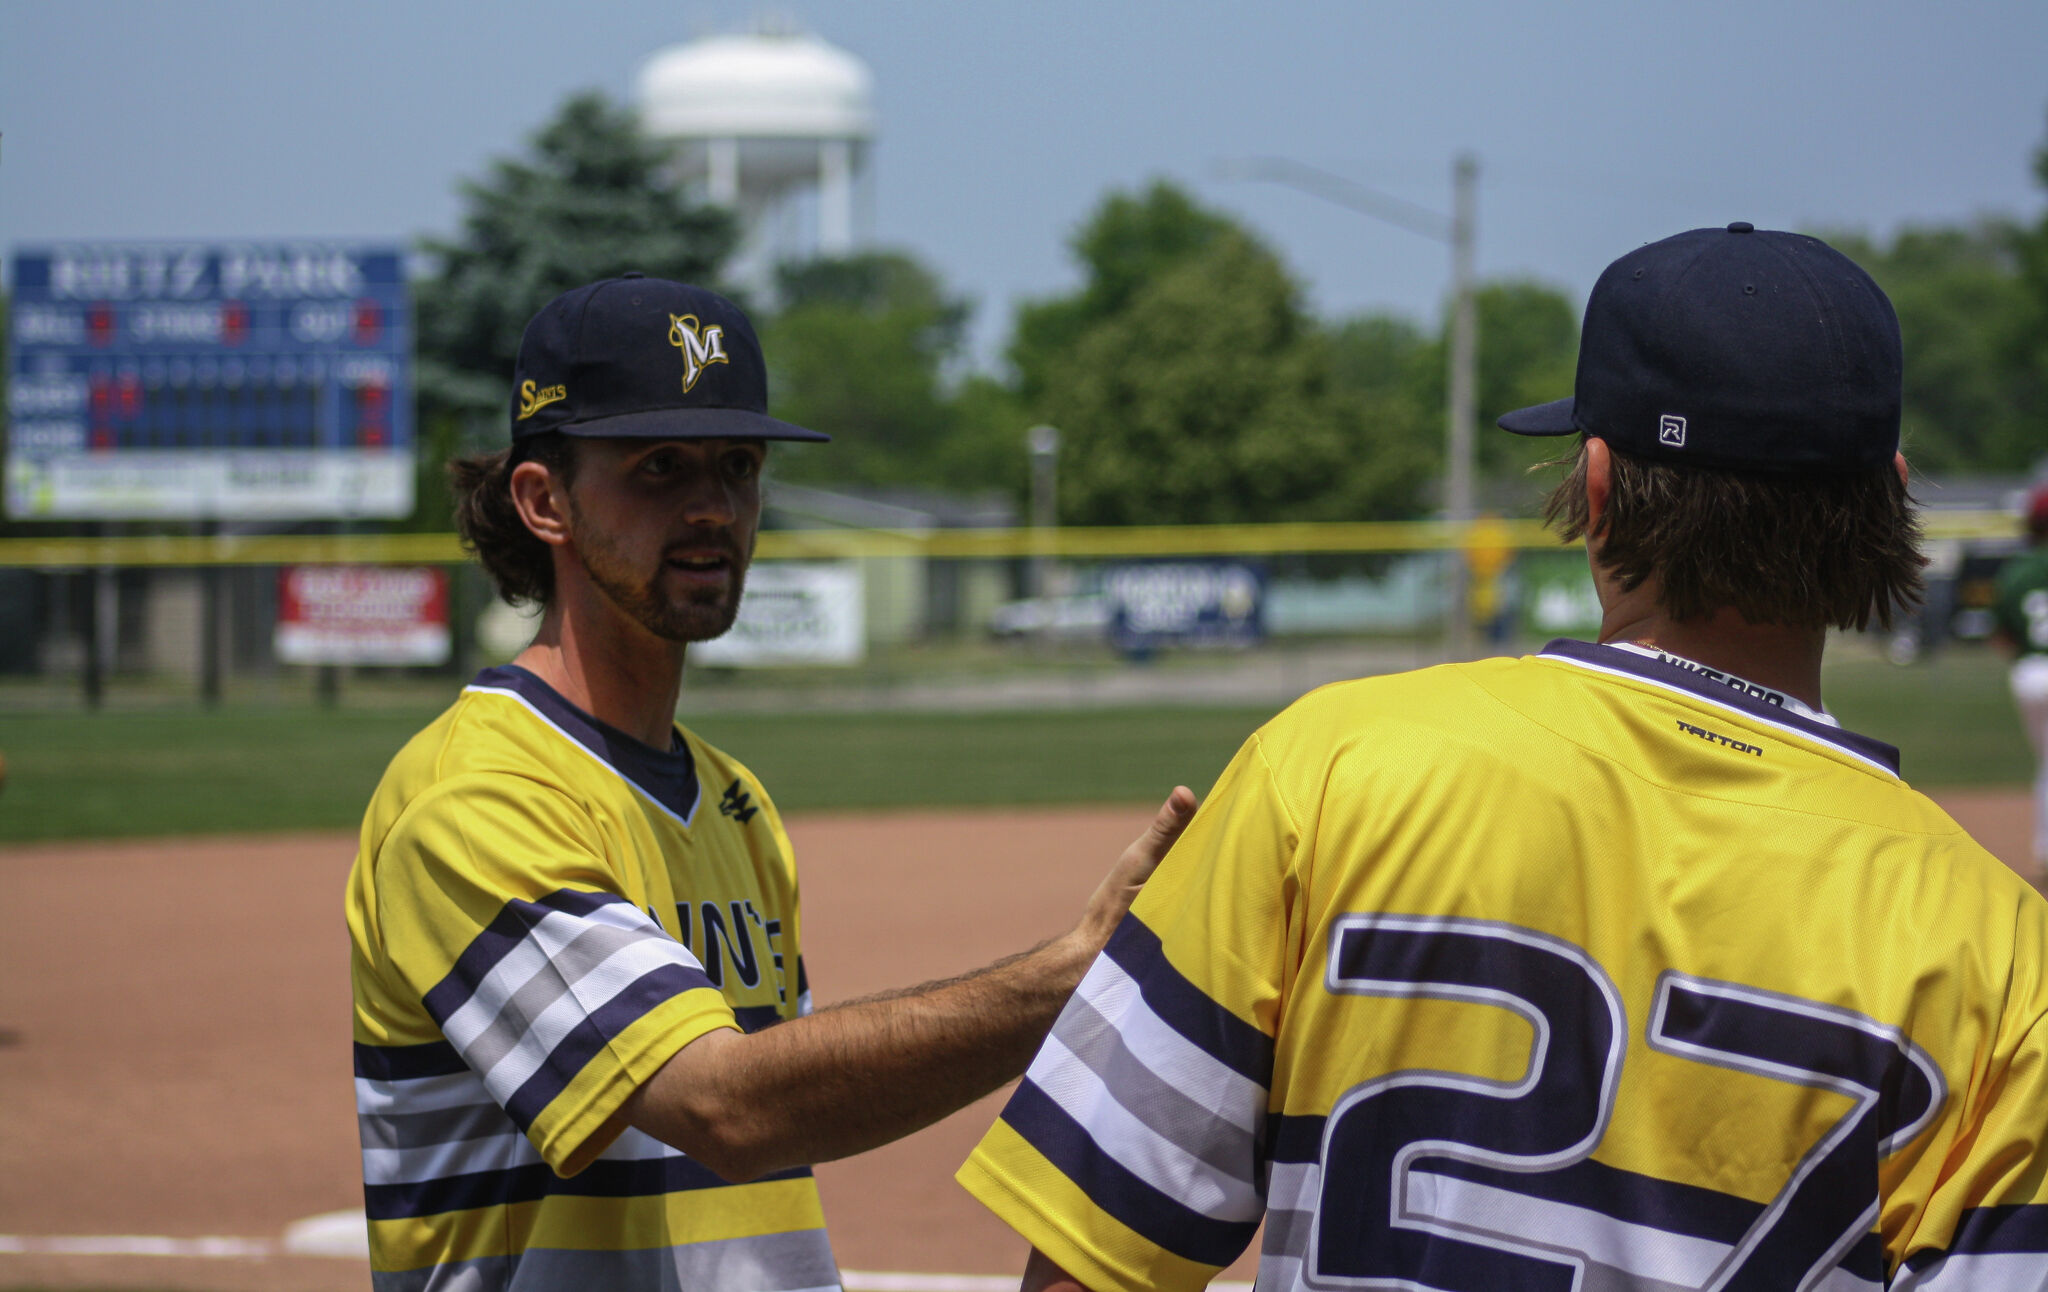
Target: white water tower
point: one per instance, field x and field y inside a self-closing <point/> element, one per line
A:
<point x="774" y="126"/>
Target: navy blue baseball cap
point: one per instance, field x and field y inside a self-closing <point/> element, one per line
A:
<point x="644" y="357"/>
<point x="1738" y="348"/>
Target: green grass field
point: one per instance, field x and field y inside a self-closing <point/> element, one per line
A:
<point x="266" y="767"/>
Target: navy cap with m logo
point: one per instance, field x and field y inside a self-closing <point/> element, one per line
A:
<point x="646" y="358"/>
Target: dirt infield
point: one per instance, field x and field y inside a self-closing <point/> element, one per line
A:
<point x="174" y="1030"/>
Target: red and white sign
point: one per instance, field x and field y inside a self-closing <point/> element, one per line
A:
<point x="362" y="614"/>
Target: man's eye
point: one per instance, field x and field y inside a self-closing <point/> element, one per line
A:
<point x="742" y="466"/>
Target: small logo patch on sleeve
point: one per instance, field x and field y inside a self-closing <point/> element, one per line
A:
<point x="737" y="803"/>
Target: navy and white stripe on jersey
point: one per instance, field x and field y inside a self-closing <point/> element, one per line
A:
<point x="548" y="984"/>
<point x="1152" y="1097"/>
<point x="1620" y="1228"/>
<point x="434" y="1141"/>
<point x="785" y="1262"/>
<point x="1996" y="1249"/>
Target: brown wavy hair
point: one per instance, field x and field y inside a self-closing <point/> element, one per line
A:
<point x="1803" y="551"/>
<point x="520" y="564"/>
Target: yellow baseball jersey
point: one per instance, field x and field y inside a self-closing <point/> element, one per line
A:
<point x="543" y="911"/>
<point x="1579" y="971"/>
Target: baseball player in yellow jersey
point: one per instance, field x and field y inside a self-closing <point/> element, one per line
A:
<point x="1619" y="966"/>
<point x="584" y="1051"/>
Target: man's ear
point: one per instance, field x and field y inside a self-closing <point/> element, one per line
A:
<point x="1899" y="465"/>
<point x="542" y="502"/>
<point x="1599" y="483"/>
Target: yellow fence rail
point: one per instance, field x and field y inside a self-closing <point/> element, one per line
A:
<point x="823" y="544"/>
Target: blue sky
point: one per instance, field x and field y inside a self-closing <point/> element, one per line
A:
<point x="1598" y="126"/>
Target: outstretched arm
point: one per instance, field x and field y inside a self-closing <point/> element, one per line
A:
<point x="856" y="1076"/>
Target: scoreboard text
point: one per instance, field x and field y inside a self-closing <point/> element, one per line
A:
<point x="238" y="381"/>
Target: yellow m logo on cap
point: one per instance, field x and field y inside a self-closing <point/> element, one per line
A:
<point x="701" y="347"/>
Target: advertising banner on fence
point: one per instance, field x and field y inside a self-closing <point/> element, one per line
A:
<point x="793" y="613"/>
<point x="362" y="614"/>
<point x="1184" y="603"/>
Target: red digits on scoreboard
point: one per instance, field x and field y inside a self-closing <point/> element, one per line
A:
<point x="373" y="414"/>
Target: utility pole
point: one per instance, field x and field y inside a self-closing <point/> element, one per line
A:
<point x="1463" y="383"/>
<point x="212" y="610"/>
<point x="1044" y="443"/>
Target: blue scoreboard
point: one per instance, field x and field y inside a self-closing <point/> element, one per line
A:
<point x="230" y="381"/>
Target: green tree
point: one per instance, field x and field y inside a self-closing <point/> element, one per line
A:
<point x="1128" y="243"/>
<point x="1204" y="395"/>
<point x="587" y="201"/>
<point x="1528" y="354"/>
<point x="1971" y="315"/>
<point x="1391" y="372"/>
<point x="859" y="349"/>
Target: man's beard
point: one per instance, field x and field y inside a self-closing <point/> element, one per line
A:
<point x="699" y="616"/>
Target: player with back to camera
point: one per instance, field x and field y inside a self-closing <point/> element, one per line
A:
<point x="2020" y="610"/>
<point x="1618" y="966"/>
<point x="581" y="1007"/>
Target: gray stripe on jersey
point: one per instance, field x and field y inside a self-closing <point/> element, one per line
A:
<point x="1637" y="1256"/>
<point x="793" y="1262"/>
<point x="1287" y="1234"/>
<point x="491" y="1274"/>
<point x="561" y="971"/>
<point x="1975" y="1272"/>
<point x="439" y="1126"/>
<point x="1182" y="1122"/>
<point x="1605" y="1278"/>
<point x="1283" y="1272"/>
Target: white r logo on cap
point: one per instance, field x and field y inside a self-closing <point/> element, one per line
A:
<point x="1671" y="430"/>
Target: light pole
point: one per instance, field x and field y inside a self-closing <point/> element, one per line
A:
<point x="1459" y="232"/>
<point x="1044" y="443"/>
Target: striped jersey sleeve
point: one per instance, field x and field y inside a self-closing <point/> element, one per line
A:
<point x="1130" y="1153"/>
<point x="542" y="981"/>
<point x="1984" y="1227"/>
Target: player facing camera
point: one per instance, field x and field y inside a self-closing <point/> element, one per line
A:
<point x="585" y="1052"/>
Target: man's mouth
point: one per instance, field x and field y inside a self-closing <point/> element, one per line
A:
<point x="702" y="563"/>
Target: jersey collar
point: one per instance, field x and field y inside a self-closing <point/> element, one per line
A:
<point x="1742" y="685"/>
<point x="668" y="777"/>
<point x="1753" y="701"/>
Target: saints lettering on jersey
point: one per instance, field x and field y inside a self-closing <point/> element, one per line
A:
<point x="1502" y="977"/>
<point x="544" y="911"/>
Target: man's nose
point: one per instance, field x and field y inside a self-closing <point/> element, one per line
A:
<point x="707" y="498"/>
